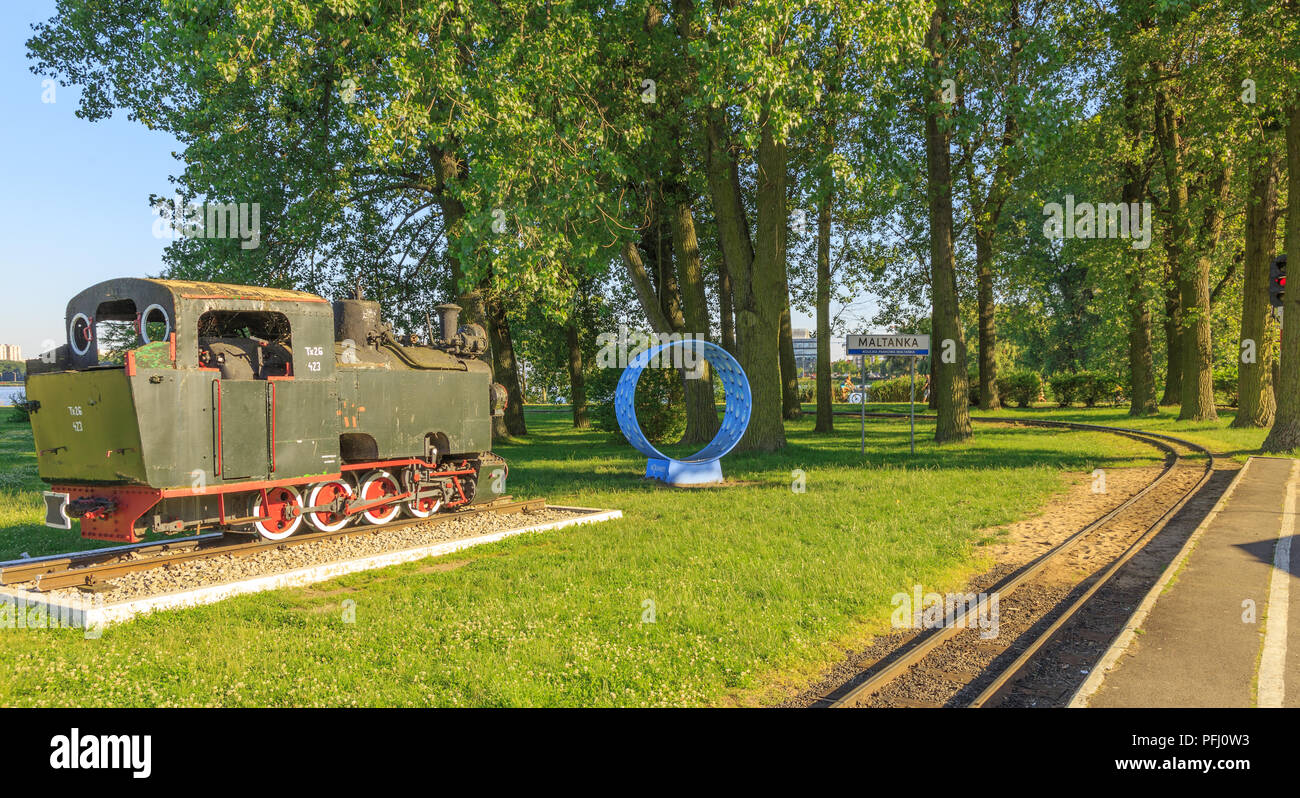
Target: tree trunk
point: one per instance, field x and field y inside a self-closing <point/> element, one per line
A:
<point x="1183" y="349"/>
<point x="949" y="358"/>
<point x="752" y="265"/>
<point x="728" y="317"/>
<point x="474" y="309"/>
<point x="825" y="410"/>
<point x="1285" y="432"/>
<point x="753" y="292"/>
<point x="449" y="170"/>
<point x="659" y="245"/>
<point x="667" y="308"/>
<point x="1198" y="368"/>
<point x="760" y="300"/>
<point x="577" y="380"/>
<point x="1255" y="401"/>
<point x="988" y="363"/>
<point x="986" y="214"/>
<point x="1198" y="352"/>
<point x="1141" y="366"/>
<point x="1191" y="269"/>
<point x="506" y="371"/>
<point x="790" y="406"/>
<point x="701" y="409"/>
<point x="1173" y="341"/>
<point x="645" y="291"/>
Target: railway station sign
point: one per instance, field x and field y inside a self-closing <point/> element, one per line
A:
<point x="889" y="345"/>
<point x="877" y="344"/>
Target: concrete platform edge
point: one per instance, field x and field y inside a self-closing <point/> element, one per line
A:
<point x="1125" y="638"/>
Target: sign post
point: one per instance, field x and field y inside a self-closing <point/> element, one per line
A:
<point x="911" y="404"/>
<point x="862" y="395"/>
<point x="890" y="345"/>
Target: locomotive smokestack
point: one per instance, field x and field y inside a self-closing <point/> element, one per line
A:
<point x="448" y="319"/>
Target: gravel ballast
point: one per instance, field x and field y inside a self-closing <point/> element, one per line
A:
<point x="229" y="568"/>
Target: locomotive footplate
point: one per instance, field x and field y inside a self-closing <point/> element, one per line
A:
<point x="107" y="512"/>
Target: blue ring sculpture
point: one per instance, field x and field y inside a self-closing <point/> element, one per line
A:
<point x="703" y="466"/>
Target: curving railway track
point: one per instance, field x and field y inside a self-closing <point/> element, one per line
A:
<point x="97" y="568"/>
<point x="1047" y="636"/>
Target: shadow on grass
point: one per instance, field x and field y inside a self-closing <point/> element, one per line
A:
<point x="554" y="458"/>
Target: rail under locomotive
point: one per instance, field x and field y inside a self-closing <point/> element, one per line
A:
<point x="258" y="410"/>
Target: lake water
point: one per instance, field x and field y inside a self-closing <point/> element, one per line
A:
<point x="7" y="393"/>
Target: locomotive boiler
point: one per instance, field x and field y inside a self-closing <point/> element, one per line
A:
<point x="257" y="410"/>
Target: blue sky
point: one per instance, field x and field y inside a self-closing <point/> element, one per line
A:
<point x="75" y="205"/>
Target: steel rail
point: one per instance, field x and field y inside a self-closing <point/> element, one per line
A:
<point x="97" y="573"/>
<point x="1009" y="674"/>
<point x="927" y="643"/>
<point x="27" y="568"/>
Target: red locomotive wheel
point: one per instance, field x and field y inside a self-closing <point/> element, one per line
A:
<point x="378" y="485"/>
<point x="282" y="508"/>
<point x="325" y="493"/>
<point x="423" y="508"/>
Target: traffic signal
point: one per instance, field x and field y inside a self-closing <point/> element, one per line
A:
<point x="1276" y="280"/>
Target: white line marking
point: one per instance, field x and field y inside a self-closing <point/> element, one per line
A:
<point x="1272" y="662"/>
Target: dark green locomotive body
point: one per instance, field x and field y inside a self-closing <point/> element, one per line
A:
<point x="232" y="405"/>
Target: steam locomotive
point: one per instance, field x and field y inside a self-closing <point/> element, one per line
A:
<point x="255" y="410"/>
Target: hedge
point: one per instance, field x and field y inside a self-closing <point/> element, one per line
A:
<point x="1089" y="387"/>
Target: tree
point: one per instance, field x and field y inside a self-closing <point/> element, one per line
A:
<point x="1284" y="435"/>
<point x="1256" y="402"/>
<point x="948" y="363"/>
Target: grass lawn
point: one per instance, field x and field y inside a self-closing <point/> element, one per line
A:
<point x="750" y="587"/>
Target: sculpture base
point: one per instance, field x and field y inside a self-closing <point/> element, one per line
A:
<point x="677" y="472"/>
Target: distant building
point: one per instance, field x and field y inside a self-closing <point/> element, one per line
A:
<point x="11" y="352"/>
<point x="805" y="349"/>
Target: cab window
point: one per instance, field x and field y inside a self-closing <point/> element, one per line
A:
<point x="246" y="345"/>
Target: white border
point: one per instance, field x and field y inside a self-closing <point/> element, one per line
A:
<point x="72" y="337"/>
<point x="74" y="608"/>
<point x="144" y="336"/>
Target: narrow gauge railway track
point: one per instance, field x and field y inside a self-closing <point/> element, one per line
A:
<point x="93" y="569"/>
<point x="994" y="667"/>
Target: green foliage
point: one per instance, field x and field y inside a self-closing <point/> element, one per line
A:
<point x="1225" y="384"/>
<point x="1065" y="388"/>
<point x="660" y="405"/>
<point x="896" y="389"/>
<point x="1021" y="386"/>
<point x="1089" y="387"/>
<point x="21" y="412"/>
<point x="422" y="149"/>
